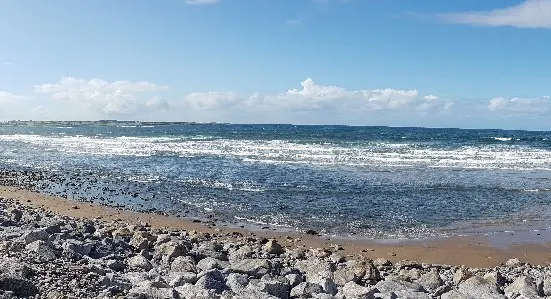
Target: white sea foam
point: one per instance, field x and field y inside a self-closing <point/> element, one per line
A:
<point x="376" y="154"/>
<point x="503" y="138"/>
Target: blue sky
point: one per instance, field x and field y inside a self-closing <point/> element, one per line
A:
<point x="436" y="63"/>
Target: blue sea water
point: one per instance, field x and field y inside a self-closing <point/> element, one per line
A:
<point x="367" y="181"/>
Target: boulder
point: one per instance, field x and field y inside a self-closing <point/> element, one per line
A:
<point x="237" y="282"/>
<point x="139" y="262"/>
<point x="183" y="264"/>
<point x="171" y="250"/>
<point x="495" y="278"/>
<point x="176" y="279"/>
<point x="390" y="286"/>
<point x="356" y="291"/>
<point x="453" y="294"/>
<point x="42" y="250"/>
<point x="279" y="288"/>
<point x="212" y="280"/>
<point x="522" y="286"/>
<point x="15" y="214"/>
<point x="513" y="263"/>
<point x="273" y="247"/>
<point x="461" y="275"/>
<point x="19" y="286"/>
<point x="314" y="268"/>
<point x="252" y="267"/>
<point x="431" y="280"/>
<point x="351" y="271"/>
<point x="153" y="290"/>
<point x="141" y="240"/>
<point x="294" y="279"/>
<point x="35" y="235"/>
<point x="478" y="287"/>
<point x="306" y="290"/>
<point x="210" y="263"/>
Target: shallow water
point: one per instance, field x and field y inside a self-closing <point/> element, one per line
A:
<point x="368" y="181"/>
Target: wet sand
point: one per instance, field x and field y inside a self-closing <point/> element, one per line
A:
<point x="471" y="251"/>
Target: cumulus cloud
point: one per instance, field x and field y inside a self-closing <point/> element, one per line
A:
<point x="6" y="97"/>
<point x="528" y="14"/>
<point x="107" y="97"/>
<point x="157" y="103"/>
<point x="541" y="105"/>
<point x="317" y="97"/>
<point x="201" y="2"/>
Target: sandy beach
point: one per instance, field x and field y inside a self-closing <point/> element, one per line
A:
<point x="469" y="251"/>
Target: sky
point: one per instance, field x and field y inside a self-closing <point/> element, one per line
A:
<point x="431" y="63"/>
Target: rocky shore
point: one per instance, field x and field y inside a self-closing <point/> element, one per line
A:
<point x="47" y="255"/>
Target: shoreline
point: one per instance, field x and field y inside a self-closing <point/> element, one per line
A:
<point x="470" y="251"/>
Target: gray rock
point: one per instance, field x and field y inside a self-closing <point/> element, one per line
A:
<point x="276" y="287"/>
<point x="411" y="294"/>
<point x="14" y="267"/>
<point x="381" y="262"/>
<point x="522" y="286"/>
<point x="314" y="268"/>
<point x="139" y="262"/>
<point x="547" y="285"/>
<point x="141" y="240"/>
<point x="431" y="280"/>
<point x="183" y="264"/>
<point x="176" y="279"/>
<point x="78" y="247"/>
<point x="153" y="290"/>
<point x="19" y="286"/>
<point x="43" y="251"/>
<point x="495" y="278"/>
<point x="351" y="271"/>
<point x="243" y="252"/>
<point x="171" y="250"/>
<point x="212" y="280"/>
<point x="252" y="267"/>
<point x="116" y="265"/>
<point x="294" y="279"/>
<point x="513" y="263"/>
<point x="15" y="214"/>
<point x="237" y="282"/>
<point x="390" y="286"/>
<point x="453" y="294"/>
<point x="478" y="287"/>
<point x="209" y="263"/>
<point x="273" y="247"/>
<point x="461" y="275"/>
<point x="306" y="290"/>
<point x="356" y="291"/>
<point x="35" y="235"/>
<point x="114" y="280"/>
<point x="327" y="285"/>
<point x="407" y="264"/>
<point x="134" y="278"/>
<point x="53" y="228"/>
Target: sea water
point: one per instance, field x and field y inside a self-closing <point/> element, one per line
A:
<point x="378" y="182"/>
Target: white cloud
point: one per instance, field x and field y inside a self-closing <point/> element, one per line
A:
<point x="107" y="97"/>
<point x="201" y="2"/>
<point x="316" y="97"/>
<point x="517" y="105"/>
<point x="6" y="97"/>
<point x="157" y="103"/>
<point x="528" y="14"/>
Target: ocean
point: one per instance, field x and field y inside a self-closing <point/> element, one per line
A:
<point x="374" y="182"/>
